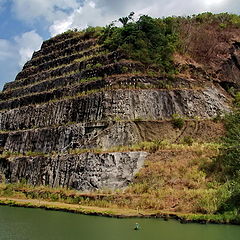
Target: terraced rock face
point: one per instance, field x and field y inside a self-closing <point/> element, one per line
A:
<point x="75" y="94"/>
<point x="87" y="171"/>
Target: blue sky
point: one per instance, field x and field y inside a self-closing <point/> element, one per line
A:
<point x="24" y="24"/>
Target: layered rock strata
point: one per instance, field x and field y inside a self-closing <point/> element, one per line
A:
<point x="87" y="171"/>
<point x="73" y="94"/>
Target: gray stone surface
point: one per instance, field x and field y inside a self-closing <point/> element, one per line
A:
<point x="47" y="109"/>
<point x="95" y="121"/>
<point x="106" y="135"/>
<point x="87" y="171"/>
<point x="118" y="104"/>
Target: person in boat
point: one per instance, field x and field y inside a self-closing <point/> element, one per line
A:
<point x="137" y="226"/>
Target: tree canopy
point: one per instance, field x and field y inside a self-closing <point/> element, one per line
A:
<point x="149" y="40"/>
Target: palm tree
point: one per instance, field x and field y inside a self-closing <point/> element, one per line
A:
<point x="124" y="20"/>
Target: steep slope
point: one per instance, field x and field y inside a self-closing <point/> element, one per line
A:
<point x="75" y="94"/>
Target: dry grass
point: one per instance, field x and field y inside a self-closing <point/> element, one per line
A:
<point x="172" y="180"/>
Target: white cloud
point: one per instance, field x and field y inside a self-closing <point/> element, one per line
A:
<point x="14" y="54"/>
<point x="160" y="8"/>
<point x="50" y="10"/>
<point x="21" y="48"/>
<point x="65" y="14"/>
<point x="87" y="15"/>
<point x="92" y="4"/>
<point x="27" y="43"/>
<point x="213" y="2"/>
<point x="62" y="15"/>
<point x="102" y="12"/>
<point x="60" y="26"/>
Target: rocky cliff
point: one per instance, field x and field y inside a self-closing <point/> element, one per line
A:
<point x="87" y="171"/>
<point x="73" y="94"/>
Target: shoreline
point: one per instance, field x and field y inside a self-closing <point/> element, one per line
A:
<point x="118" y="212"/>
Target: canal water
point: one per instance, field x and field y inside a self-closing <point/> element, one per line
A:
<point x="38" y="224"/>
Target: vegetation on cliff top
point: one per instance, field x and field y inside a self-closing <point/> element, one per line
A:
<point x="149" y="40"/>
<point x="153" y="41"/>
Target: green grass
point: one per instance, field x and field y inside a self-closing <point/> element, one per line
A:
<point x="105" y="203"/>
<point x="151" y="147"/>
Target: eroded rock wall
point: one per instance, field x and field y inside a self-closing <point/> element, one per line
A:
<point x="87" y="171"/>
<point x="73" y="94"/>
<point x="107" y="135"/>
<point x="118" y="104"/>
<point x="54" y="125"/>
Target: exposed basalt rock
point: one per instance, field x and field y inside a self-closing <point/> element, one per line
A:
<point x="118" y="104"/>
<point x="52" y="53"/>
<point x="230" y="69"/>
<point x="106" y="135"/>
<point x="72" y="85"/>
<point x="56" y="91"/>
<point x="78" y="68"/>
<point x="53" y="138"/>
<point x="73" y="52"/>
<point x="87" y="171"/>
<point x="74" y="95"/>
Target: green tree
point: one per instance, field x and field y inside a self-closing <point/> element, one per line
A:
<point x="148" y="40"/>
<point x="125" y="20"/>
<point x="230" y="154"/>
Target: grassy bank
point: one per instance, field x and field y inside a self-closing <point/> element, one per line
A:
<point x="176" y="181"/>
<point x="121" y="213"/>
